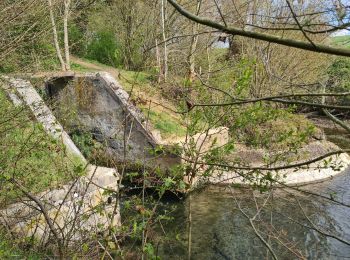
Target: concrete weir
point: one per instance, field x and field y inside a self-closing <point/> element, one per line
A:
<point x="79" y="205"/>
<point x="102" y="108"/>
<point x="97" y="104"/>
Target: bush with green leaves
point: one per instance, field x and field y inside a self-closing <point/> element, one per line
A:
<point x="10" y="249"/>
<point x="104" y="48"/>
<point x="265" y="126"/>
<point x="28" y="156"/>
<point x="339" y="79"/>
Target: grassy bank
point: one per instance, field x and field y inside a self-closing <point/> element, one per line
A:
<point x="28" y="155"/>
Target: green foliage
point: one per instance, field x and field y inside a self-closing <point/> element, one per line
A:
<point x="339" y="78"/>
<point x="339" y="72"/>
<point x="10" y="250"/>
<point x="28" y="155"/>
<point x="86" y="144"/>
<point x="243" y="77"/>
<point x="166" y="124"/>
<point x="264" y="126"/>
<point x="150" y="252"/>
<point x="120" y="41"/>
<point x="35" y="53"/>
<point x="84" y="141"/>
<point x="104" y="48"/>
<point x="25" y="38"/>
<point x="77" y="40"/>
<point x="39" y="56"/>
<point x="144" y="210"/>
<point x="232" y="76"/>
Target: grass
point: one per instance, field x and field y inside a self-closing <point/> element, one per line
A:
<point x="129" y="79"/>
<point x="343" y="41"/>
<point x="29" y="155"/>
<point x="167" y="125"/>
<point x="8" y="250"/>
<point x="79" y="68"/>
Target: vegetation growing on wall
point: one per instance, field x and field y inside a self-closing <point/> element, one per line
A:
<point x="29" y="156"/>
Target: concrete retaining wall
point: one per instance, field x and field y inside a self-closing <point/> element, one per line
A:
<point x="103" y="109"/>
<point x="74" y="209"/>
<point x="78" y="200"/>
<point x="22" y="92"/>
<point x="312" y="173"/>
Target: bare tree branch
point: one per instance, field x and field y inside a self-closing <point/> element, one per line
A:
<point x="262" y="36"/>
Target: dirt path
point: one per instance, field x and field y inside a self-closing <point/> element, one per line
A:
<point x="95" y="67"/>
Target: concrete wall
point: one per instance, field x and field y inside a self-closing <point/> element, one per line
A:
<point x="22" y="92"/>
<point x="76" y="209"/>
<point x="103" y="109"/>
<point x="75" y="200"/>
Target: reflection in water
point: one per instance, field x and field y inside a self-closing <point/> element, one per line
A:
<point x="219" y="230"/>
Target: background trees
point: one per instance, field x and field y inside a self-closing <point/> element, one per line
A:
<point x="24" y="26"/>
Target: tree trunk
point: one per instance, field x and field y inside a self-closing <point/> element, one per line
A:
<point x="159" y="65"/>
<point x="165" y="61"/>
<point x="193" y="46"/>
<point x="65" y="28"/>
<point x="55" y="37"/>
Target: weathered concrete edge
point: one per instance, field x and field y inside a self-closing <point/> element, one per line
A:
<point x="42" y="113"/>
<point x="77" y="199"/>
<point x="116" y="91"/>
<point x="292" y="177"/>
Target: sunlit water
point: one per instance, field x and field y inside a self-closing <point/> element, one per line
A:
<point x="219" y="230"/>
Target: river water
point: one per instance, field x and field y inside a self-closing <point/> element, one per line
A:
<point x="210" y="224"/>
<point x="220" y="231"/>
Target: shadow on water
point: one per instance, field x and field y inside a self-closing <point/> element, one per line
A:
<point x="216" y="228"/>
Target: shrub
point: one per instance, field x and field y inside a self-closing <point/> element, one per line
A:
<point x="104" y="48"/>
<point x="339" y="78"/>
<point x="268" y="127"/>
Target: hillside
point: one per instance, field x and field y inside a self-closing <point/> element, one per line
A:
<point x="343" y="41"/>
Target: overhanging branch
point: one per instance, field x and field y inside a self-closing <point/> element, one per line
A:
<point x="262" y="36"/>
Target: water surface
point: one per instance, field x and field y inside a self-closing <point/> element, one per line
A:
<point x="219" y="230"/>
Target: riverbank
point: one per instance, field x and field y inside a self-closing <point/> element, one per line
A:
<point x="263" y="174"/>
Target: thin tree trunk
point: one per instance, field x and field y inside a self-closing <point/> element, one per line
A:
<point x="193" y="46"/>
<point x="55" y="37"/>
<point x="158" y="62"/>
<point x="209" y="62"/>
<point x="165" y="61"/>
<point x="65" y="28"/>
